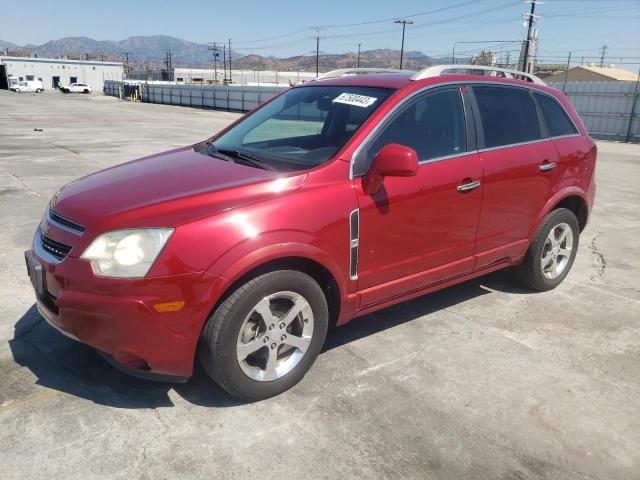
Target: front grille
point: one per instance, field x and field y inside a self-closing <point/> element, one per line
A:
<point x="63" y="221"/>
<point x="57" y="249"/>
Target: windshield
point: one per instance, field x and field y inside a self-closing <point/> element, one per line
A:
<point x="302" y="128"/>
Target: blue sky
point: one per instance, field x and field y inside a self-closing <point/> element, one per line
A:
<point x="282" y="27"/>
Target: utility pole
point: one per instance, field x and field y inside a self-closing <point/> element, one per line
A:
<point x="358" y="65"/>
<point x="224" y="63"/>
<point x="317" y="37"/>
<point x="214" y="51"/>
<point x="126" y="63"/>
<point x="230" y="75"/>
<point x="531" y="20"/>
<point x="566" y="73"/>
<point x="603" y="50"/>
<point x="404" y="25"/>
<point x="508" y="58"/>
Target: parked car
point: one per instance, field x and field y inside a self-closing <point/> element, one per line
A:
<point x="334" y="199"/>
<point x="75" y="88"/>
<point x="27" y="86"/>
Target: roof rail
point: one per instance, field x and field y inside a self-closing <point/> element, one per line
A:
<point x="437" y="70"/>
<point x="346" y="72"/>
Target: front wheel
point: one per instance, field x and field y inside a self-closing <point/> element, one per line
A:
<point x="266" y="335"/>
<point x="552" y="252"/>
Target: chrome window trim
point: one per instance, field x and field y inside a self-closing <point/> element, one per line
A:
<point x="563" y="109"/>
<point x="568" y="135"/>
<point x="519" y="144"/>
<point x="400" y="104"/>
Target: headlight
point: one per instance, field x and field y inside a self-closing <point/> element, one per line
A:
<point x="126" y="253"/>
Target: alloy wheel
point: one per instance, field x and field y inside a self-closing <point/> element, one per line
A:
<point x="274" y="336"/>
<point x="557" y="251"/>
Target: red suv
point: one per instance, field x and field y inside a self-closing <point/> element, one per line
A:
<point x="332" y="200"/>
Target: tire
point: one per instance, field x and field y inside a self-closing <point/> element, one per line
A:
<point x="542" y="251"/>
<point x="38" y="90"/>
<point x="251" y="378"/>
<point x="85" y="91"/>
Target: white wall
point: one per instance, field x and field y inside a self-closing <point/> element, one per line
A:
<point x="243" y="77"/>
<point x="91" y="73"/>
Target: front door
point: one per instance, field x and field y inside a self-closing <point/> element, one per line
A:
<point x="55" y="82"/>
<point x="419" y="230"/>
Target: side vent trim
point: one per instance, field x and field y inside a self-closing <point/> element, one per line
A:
<point x="354" y="243"/>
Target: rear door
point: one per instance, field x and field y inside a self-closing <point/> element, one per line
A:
<point x="520" y="173"/>
<point x="572" y="147"/>
<point x="419" y="230"/>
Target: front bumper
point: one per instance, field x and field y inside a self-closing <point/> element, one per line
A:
<point x="117" y="316"/>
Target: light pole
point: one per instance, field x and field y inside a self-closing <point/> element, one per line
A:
<point x="358" y="66"/>
<point x="404" y="25"/>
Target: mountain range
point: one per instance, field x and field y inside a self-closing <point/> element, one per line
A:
<point x="151" y="51"/>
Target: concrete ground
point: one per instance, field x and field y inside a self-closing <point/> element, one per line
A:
<point x="484" y="380"/>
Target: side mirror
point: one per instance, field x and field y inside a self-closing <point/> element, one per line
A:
<point x="393" y="160"/>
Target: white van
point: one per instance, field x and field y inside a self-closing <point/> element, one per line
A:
<point x="28" y="86"/>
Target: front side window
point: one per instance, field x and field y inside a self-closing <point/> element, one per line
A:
<point x="555" y="117"/>
<point x="302" y="128"/>
<point x="508" y="115"/>
<point x="432" y="125"/>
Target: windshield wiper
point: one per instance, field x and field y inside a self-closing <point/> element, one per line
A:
<point x="235" y="155"/>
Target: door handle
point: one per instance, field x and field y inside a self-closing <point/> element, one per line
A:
<point x="466" y="187"/>
<point x="545" y="167"/>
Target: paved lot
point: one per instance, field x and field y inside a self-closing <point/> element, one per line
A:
<point x="483" y="380"/>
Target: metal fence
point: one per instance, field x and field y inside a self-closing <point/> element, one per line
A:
<point x="609" y="110"/>
<point x="240" y="98"/>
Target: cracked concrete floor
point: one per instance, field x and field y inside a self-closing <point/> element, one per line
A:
<point x="482" y="381"/>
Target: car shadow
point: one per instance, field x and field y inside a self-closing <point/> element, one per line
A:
<point x="68" y="366"/>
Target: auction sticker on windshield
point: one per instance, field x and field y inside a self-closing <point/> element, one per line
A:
<point x="355" y="99"/>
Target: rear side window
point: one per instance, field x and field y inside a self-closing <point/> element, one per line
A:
<point x="557" y="121"/>
<point x="508" y="116"/>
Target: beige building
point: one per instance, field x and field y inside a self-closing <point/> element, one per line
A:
<point x="590" y="73"/>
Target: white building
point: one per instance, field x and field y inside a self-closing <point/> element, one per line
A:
<point x="55" y="71"/>
<point x="241" y="77"/>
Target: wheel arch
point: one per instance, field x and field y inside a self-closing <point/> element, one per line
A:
<point x="573" y="199"/>
<point x="316" y="270"/>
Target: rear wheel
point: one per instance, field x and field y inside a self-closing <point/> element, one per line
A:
<point x="552" y="252"/>
<point x="85" y="91"/>
<point x="38" y="90"/>
<point x="266" y="335"/>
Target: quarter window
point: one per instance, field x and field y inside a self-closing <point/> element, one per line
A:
<point x="508" y="116"/>
<point x="554" y="115"/>
<point x="433" y="126"/>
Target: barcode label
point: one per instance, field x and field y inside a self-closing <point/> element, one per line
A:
<point x="355" y="99"/>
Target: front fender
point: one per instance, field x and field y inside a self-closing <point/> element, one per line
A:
<point x="244" y="257"/>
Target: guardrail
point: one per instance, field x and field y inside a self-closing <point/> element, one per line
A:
<point x="238" y="98"/>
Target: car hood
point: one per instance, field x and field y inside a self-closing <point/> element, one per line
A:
<point x="166" y="189"/>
